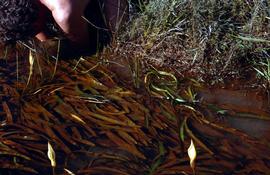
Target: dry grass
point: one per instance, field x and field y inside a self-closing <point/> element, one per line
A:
<point x="212" y="41"/>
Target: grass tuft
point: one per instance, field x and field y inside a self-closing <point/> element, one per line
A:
<point x="212" y="40"/>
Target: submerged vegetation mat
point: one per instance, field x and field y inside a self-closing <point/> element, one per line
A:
<point x="83" y="116"/>
<point x="78" y="120"/>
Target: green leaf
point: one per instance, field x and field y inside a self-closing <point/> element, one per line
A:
<point x="251" y="39"/>
<point x="182" y="131"/>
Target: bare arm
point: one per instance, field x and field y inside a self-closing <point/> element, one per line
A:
<point x="68" y="15"/>
<point x="74" y="26"/>
<point x="41" y="36"/>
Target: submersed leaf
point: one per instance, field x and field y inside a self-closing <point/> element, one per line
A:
<point x="68" y="171"/>
<point x="31" y="62"/>
<point x="197" y="140"/>
<point x="182" y="131"/>
<point x="159" y="159"/>
<point x="78" y="118"/>
<point x="192" y="154"/>
<point x="51" y="155"/>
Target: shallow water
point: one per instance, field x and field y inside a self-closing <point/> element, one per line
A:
<point x="241" y="148"/>
<point x="247" y="111"/>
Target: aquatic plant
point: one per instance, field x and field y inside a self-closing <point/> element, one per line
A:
<point x="79" y="117"/>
